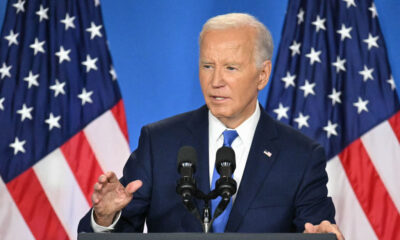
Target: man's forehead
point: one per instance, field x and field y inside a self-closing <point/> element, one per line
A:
<point x="243" y="31"/>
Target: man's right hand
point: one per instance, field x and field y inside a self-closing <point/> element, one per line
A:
<point x="109" y="197"/>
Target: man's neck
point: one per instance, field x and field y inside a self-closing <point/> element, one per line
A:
<point x="233" y="123"/>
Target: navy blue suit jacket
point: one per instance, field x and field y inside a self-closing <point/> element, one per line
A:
<point x="277" y="194"/>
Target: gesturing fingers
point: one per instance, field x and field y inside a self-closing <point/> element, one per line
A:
<point x="133" y="186"/>
<point x="111" y="177"/>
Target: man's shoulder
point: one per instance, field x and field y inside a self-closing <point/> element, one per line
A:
<point x="180" y="120"/>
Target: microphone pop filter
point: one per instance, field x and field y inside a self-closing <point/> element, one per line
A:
<point x="187" y="156"/>
<point x="225" y="156"/>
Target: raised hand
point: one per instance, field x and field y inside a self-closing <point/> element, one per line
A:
<point x="110" y="196"/>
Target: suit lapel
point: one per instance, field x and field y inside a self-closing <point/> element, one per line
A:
<point x="262" y="155"/>
<point x="198" y="126"/>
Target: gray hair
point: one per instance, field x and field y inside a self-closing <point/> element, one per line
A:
<point x="263" y="44"/>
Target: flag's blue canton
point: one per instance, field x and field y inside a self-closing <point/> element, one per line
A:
<point x="332" y="78"/>
<point x="51" y="52"/>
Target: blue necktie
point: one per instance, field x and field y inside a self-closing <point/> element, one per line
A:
<point x="219" y="223"/>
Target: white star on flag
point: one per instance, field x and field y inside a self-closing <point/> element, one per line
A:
<point x="373" y="10"/>
<point x="32" y="79"/>
<point x="289" y="80"/>
<point x="350" y="3"/>
<point x="96" y="3"/>
<point x="281" y="111"/>
<point x="85" y="96"/>
<point x="1" y="103"/>
<point x="319" y="23"/>
<point x="25" y="112"/>
<point x="339" y="64"/>
<point x="330" y="129"/>
<point x="68" y="21"/>
<point x="391" y="82"/>
<point x="37" y="46"/>
<point x="90" y="63"/>
<point x="12" y="38"/>
<point x="62" y="54"/>
<point x="344" y="32"/>
<point x="302" y="120"/>
<point x="295" y="48"/>
<point x="58" y="88"/>
<point x="52" y="121"/>
<point x="5" y="71"/>
<point x="335" y="97"/>
<point x="371" y="41"/>
<point x="42" y="13"/>
<point x="94" y="30"/>
<point x="367" y="73"/>
<point x="361" y="105"/>
<point x="308" y="88"/>
<point x="18" y="146"/>
<point x="113" y="73"/>
<point x="19" y="6"/>
<point x="314" y="56"/>
<point x="300" y="16"/>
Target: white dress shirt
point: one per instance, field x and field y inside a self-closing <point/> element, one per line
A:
<point x="241" y="145"/>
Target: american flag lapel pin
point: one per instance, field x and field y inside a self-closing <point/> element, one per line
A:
<point x="267" y="153"/>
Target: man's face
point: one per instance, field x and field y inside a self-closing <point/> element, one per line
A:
<point x="228" y="75"/>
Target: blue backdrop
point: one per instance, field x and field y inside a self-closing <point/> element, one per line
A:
<point x="155" y="51"/>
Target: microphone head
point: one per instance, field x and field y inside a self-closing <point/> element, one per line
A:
<point x="187" y="157"/>
<point x="225" y="158"/>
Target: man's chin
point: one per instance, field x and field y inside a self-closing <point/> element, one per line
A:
<point x="220" y="112"/>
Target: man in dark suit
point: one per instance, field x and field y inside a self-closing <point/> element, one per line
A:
<point x="280" y="173"/>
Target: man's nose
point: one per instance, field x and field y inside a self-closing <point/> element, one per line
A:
<point x="217" y="78"/>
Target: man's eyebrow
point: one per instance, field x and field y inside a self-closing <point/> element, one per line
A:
<point x="232" y="63"/>
<point x="205" y="61"/>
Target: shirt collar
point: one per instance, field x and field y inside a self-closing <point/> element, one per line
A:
<point x="245" y="130"/>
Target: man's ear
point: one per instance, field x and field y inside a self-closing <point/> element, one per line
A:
<point x="265" y="72"/>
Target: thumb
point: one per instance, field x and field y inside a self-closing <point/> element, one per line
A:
<point x="309" y="228"/>
<point x="133" y="186"/>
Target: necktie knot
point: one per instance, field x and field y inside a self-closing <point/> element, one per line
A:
<point x="229" y="137"/>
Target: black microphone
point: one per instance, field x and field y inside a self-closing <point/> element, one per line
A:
<point x="225" y="164"/>
<point x="187" y="160"/>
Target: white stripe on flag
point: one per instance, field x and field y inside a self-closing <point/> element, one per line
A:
<point x="12" y="224"/>
<point x="108" y="143"/>
<point x="350" y="217"/>
<point x="384" y="150"/>
<point x="62" y="190"/>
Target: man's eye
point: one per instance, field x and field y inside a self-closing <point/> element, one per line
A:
<point x="207" y="66"/>
<point x="231" y="68"/>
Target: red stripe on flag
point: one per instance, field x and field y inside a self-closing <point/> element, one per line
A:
<point x="119" y="114"/>
<point x="395" y="123"/>
<point x="82" y="162"/>
<point x="34" y="206"/>
<point x="370" y="191"/>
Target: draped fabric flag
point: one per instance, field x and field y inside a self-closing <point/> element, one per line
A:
<point x="332" y="81"/>
<point x="62" y="119"/>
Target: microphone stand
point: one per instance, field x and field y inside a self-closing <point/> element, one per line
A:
<point x="206" y="220"/>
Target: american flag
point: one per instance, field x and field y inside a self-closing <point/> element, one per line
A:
<point x="332" y="81"/>
<point x="62" y="119"/>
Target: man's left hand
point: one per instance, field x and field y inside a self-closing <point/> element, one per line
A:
<point x="323" y="227"/>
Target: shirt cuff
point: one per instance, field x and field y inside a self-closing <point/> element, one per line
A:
<point x="98" y="229"/>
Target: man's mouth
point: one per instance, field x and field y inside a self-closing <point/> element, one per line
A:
<point x="219" y="98"/>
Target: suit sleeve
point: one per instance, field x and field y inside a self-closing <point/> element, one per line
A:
<point x="138" y="167"/>
<point x="312" y="203"/>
